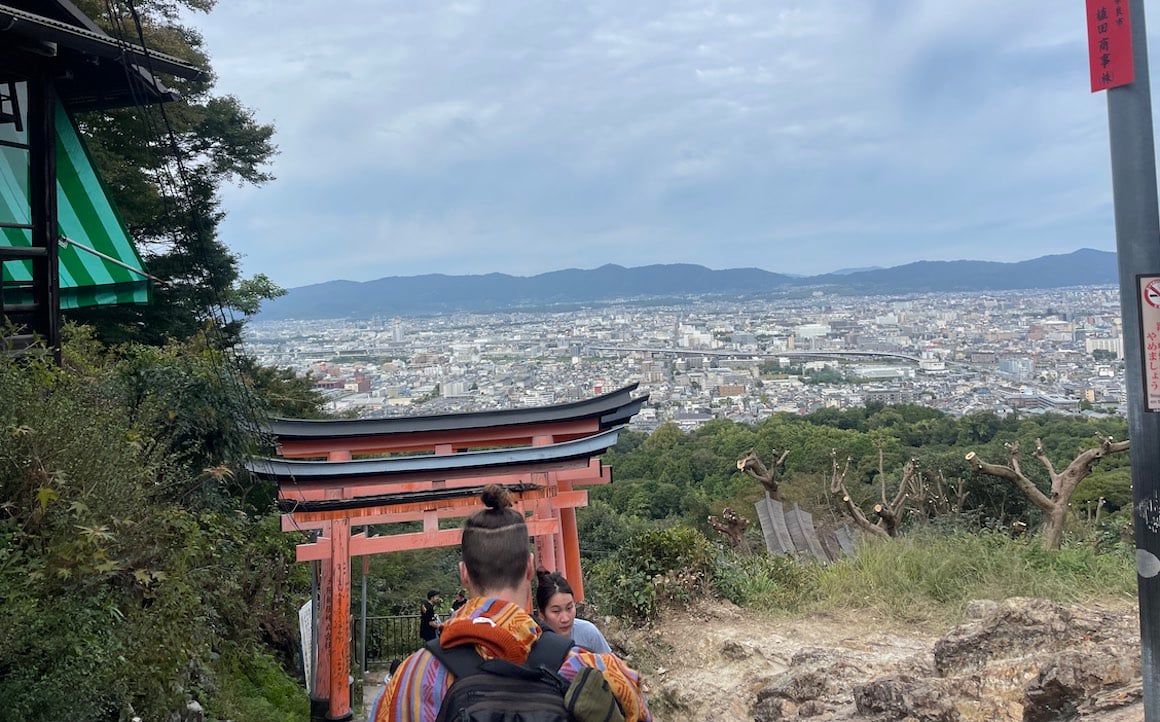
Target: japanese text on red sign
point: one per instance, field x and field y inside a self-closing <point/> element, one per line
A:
<point x="1109" y="44"/>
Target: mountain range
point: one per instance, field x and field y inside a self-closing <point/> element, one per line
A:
<point x="439" y="293"/>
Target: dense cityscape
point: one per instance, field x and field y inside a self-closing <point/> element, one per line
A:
<point x="1044" y="350"/>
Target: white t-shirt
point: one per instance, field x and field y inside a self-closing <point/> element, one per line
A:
<point x="586" y="635"/>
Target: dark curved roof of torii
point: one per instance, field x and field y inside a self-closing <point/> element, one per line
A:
<point x="526" y="458"/>
<point x="612" y="409"/>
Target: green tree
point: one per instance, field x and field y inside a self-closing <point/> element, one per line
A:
<point x="131" y="580"/>
<point x="164" y="166"/>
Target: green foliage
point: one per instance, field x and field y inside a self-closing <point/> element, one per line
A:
<point x="127" y="570"/>
<point x="672" y="565"/>
<point x="602" y="531"/>
<point x="767" y="582"/>
<point x="1114" y="485"/>
<point x="824" y="376"/>
<point x="163" y="167"/>
<point x="254" y="688"/>
<point x="671" y="475"/>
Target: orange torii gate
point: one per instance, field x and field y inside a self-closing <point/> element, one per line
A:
<point x="543" y="454"/>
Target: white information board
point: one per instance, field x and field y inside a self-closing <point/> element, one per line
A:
<point x="306" y="632"/>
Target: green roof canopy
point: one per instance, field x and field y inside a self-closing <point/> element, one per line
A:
<point x="88" y="223"/>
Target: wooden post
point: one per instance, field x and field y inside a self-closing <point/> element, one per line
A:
<point x="43" y="209"/>
<point x="325" y="604"/>
<point x="340" y="621"/>
<point x="545" y="544"/>
<point x="571" y="541"/>
<point x="334" y="656"/>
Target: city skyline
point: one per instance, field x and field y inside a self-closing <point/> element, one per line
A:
<point x="798" y="138"/>
<point x="1052" y="349"/>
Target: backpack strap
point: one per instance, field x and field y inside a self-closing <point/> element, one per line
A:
<point x="549" y="651"/>
<point x="461" y="661"/>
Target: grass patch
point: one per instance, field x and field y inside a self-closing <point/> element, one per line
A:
<point x="930" y="578"/>
<point x="257" y="689"/>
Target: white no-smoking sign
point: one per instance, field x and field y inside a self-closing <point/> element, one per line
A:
<point x="1152" y="293"/>
<point x="1149" y="304"/>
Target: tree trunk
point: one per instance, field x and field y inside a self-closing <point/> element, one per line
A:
<point x="1053" y="524"/>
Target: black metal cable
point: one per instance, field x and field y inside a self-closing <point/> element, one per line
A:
<point x="178" y="186"/>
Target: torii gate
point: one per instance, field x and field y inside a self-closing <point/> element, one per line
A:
<point x="543" y="454"/>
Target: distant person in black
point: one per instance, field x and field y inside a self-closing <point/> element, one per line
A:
<point x="459" y="601"/>
<point x="429" y="623"/>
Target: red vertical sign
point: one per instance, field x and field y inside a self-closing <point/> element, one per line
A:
<point x="1109" y="43"/>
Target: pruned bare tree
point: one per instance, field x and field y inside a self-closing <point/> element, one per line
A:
<point x="752" y="465"/>
<point x="1063" y="483"/>
<point x="942" y="501"/>
<point x="932" y="495"/>
<point x="838" y="486"/>
<point x="732" y="527"/>
<point x="891" y="510"/>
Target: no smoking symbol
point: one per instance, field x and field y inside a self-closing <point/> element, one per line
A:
<point x="1152" y="294"/>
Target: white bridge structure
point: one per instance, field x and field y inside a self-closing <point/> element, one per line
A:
<point x="727" y="353"/>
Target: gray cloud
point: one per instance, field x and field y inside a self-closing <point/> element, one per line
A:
<point x="472" y="137"/>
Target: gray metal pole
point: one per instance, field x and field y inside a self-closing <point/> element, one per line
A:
<point x="1138" y="253"/>
<point x="314" y="622"/>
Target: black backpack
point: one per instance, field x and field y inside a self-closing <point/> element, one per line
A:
<point x="496" y="690"/>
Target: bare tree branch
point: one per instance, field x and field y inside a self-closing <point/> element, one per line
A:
<point x="838" y="486"/>
<point x="751" y="464"/>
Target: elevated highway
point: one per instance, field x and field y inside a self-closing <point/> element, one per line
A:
<point x="663" y="351"/>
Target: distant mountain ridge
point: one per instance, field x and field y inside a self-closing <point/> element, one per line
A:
<point x="436" y="293"/>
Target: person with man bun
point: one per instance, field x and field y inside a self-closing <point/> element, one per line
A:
<point x="497" y="570"/>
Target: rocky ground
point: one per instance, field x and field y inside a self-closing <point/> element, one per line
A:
<point x="1021" y="660"/>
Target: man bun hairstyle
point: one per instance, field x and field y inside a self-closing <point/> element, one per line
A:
<point x="496" y="497"/>
<point x="548" y="585"/>
<point x="495" y="542"/>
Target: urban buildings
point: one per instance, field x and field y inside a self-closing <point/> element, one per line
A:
<point x="1032" y="351"/>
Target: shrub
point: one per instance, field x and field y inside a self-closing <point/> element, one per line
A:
<point x="119" y="588"/>
<point x="673" y="565"/>
<point x="766" y="582"/>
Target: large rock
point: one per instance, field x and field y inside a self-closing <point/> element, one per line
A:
<point x="1020" y="627"/>
<point x="1021" y="660"/>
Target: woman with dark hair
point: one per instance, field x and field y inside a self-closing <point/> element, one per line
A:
<point x="497" y="570"/>
<point x="557" y="606"/>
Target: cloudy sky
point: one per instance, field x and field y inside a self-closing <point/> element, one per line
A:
<point x="797" y="136"/>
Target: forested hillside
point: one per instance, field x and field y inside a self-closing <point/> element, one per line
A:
<point x="653" y="519"/>
<point x="140" y="569"/>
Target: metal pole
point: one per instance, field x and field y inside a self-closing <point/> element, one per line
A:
<point x="1138" y="253"/>
<point x="313" y="623"/>
<point x="318" y="705"/>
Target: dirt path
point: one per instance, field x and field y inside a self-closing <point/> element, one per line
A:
<point x="712" y="661"/>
